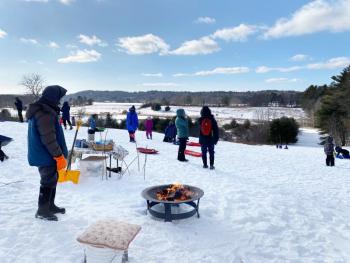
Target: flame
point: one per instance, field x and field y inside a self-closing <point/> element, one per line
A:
<point x="175" y="192"/>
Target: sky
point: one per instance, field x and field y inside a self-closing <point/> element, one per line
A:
<point x="177" y="45"/>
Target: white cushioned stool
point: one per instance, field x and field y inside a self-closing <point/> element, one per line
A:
<point x="111" y="234"/>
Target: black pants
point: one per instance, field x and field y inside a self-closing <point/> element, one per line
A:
<point x="208" y="148"/>
<point x="182" y="148"/>
<point x="65" y="123"/>
<point x="20" y="116"/>
<point x="330" y="160"/>
<point x="49" y="176"/>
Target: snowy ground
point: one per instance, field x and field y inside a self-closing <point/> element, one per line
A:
<point x="261" y="204"/>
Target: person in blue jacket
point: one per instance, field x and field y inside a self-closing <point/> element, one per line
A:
<point x="132" y="123"/>
<point x="170" y="133"/>
<point x="47" y="148"/>
<point x="66" y="115"/>
<point x="182" y="127"/>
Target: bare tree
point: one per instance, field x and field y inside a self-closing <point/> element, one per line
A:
<point x="34" y="84"/>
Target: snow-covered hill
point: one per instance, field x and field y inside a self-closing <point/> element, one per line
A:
<point x="261" y="204"/>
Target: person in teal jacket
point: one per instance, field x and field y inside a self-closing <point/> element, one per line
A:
<point x="181" y="123"/>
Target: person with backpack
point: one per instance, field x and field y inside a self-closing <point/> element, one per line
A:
<point x="170" y="133"/>
<point x="19" y="107"/>
<point x="329" y="151"/>
<point x="132" y="123"/>
<point x="208" y="136"/>
<point x="149" y="127"/>
<point x="47" y="148"/>
<point x="181" y="123"/>
<point x="66" y="115"/>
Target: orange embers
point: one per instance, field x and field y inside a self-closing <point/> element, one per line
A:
<point x="175" y="192"/>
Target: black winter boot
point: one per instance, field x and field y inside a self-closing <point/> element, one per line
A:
<point x="204" y="159"/>
<point x="44" y="205"/>
<point x="53" y="208"/>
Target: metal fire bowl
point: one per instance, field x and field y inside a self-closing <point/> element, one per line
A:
<point x="150" y="194"/>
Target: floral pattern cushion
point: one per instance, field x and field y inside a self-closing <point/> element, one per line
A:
<point x="110" y="233"/>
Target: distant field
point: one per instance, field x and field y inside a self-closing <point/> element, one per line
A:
<point x="223" y="114"/>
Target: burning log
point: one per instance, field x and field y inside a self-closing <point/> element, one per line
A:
<point x="175" y="192"/>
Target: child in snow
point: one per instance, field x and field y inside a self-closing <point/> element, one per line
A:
<point x="66" y="115"/>
<point x="149" y="127"/>
<point x="47" y="148"/>
<point x="181" y="123"/>
<point x="92" y="123"/>
<point x="342" y="153"/>
<point x="170" y="133"/>
<point x="329" y="151"/>
<point x="132" y="123"/>
<point x="208" y="136"/>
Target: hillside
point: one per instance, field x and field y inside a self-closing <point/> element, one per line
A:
<point x="261" y="204"/>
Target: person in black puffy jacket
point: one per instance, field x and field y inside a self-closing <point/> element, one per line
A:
<point x="208" y="136"/>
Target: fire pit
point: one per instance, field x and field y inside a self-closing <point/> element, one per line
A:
<point x="172" y="195"/>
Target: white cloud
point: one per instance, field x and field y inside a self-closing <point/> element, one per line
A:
<point x="3" y="34"/>
<point x="40" y="62"/>
<point x="53" y="45"/>
<point x="333" y="63"/>
<point x="81" y="56"/>
<point x="264" y="69"/>
<point x="161" y="84"/>
<point x="66" y="2"/>
<point x="29" y="41"/>
<point x="316" y="16"/>
<point x="238" y="34"/>
<point x="91" y="41"/>
<point x="71" y="46"/>
<point x="202" y="46"/>
<point x="300" y="57"/>
<point x="224" y="71"/>
<point x="146" y="44"/>
<point x="216" y="71"/>
<point x="205" y="20"/>
<point x="158" y="75"/>
<point x="281" y="80"/>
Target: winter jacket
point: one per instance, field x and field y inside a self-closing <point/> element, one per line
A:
<point x="170" y="131"/>
<point x="19" y="104"/>
<point x="132" y="121"/>
<point x="329" y="146"/>
<point x="213" y="138"/>
<point x="181" y="124"/>
<point x="45" y="135"/>
<point x="65" y="111"/>
<point x="149" y="125"/>
<point x="92" y="123"/>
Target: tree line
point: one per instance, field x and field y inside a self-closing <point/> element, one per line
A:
<point x="329" y="105"/>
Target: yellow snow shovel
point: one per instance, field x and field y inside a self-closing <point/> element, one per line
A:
<point x="67" y="174"/>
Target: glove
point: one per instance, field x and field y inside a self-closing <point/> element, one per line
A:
<point x="61" y="162"/>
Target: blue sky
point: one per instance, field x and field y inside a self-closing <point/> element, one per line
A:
<point x="193" y="45"/>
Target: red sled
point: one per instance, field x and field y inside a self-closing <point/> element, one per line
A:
<point x="193" y="153"/>
<point x="146" y="150"/>
<point x="193" y="144"/>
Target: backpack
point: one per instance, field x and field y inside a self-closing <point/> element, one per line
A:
<point x="206" y="127"/>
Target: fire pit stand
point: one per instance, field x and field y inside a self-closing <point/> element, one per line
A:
<point x="151" y="198"/>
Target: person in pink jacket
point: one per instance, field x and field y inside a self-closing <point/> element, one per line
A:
<point x="149" y="127"/>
